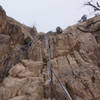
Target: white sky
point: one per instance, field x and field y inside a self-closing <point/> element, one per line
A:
<point x="46" y="15"/>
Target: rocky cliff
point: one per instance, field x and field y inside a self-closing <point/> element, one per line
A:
<point x="39" y="66"/>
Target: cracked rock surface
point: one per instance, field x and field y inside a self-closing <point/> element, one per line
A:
<point x="24" y="61"/>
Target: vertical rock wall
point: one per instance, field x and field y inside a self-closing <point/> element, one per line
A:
<point x="24" y="71"/>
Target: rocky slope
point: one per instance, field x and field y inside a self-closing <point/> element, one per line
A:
<point x="26" y="57"/>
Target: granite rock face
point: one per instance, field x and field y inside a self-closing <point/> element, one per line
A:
<point x="22" y="83"/>
<point x="26" y="57"/>
<point x="14" y="40"/>
<point x="75" y="63"/>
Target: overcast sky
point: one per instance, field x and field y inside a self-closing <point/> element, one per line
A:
<point x="46" y="14"/>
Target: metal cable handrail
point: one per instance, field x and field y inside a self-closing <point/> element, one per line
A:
<point x="63" y="87"/>
<point x="52" y="72"/>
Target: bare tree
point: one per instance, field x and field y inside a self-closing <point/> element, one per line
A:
<point x="94" y="5"/>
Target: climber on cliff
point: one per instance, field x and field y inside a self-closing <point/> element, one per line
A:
<point x="59" y="30"/>
<point x="83" y="18"/>
<point x="27" y="43"/>
<point x="50" y="32"/>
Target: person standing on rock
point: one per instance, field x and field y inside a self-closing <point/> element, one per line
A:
<point x="59" y="30"/>
<point x="83" y="18"/>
